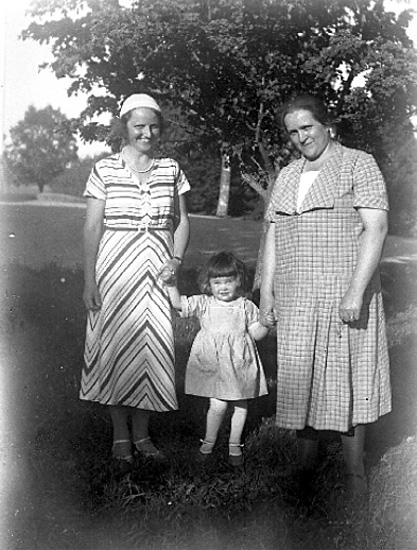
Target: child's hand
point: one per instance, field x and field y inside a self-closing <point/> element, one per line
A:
<point x="270" y="318"/>
<point x="267" y="318"/>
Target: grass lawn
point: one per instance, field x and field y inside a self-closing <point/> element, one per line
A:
<point x="59" y="488"/>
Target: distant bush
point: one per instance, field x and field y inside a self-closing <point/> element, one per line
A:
<point x="72" y="181"/>
<point x="17" y="197"/>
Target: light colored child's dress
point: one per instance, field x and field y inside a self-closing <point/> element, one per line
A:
<point x="224" y="362"/>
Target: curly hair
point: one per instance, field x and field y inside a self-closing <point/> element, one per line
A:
<point x="223" y="264"/>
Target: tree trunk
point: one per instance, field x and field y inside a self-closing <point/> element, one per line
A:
<point x="265" y="194"/>
<point x="224" y="193"/>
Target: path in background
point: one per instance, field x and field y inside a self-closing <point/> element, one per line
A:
<point x="40" y="233"/>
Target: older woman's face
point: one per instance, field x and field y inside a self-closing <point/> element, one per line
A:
<point x="143" y="129"/>
<point x="307" y="134"/>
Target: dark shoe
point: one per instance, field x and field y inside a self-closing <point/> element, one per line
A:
<point x="235" y="460"/>
<point x="205" y="451"/>
<point x="147" y="449"/>
<point x="122" y="451"/>
<point x="203" y="458"/>
<point x="304" y="479"/>
<point x="356" y="486"/>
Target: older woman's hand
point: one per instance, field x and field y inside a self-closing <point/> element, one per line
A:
<point x="350" y="307"/>
<point x="266" y="311"/>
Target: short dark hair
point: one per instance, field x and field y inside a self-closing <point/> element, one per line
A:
<point x="307" y="102"/>
<point x="223" y="264"/>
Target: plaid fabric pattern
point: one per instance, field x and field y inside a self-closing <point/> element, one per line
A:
<point x="330" y="376"/>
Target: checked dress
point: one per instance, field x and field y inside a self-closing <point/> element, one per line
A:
<point x="330" y="375"/>
<point x="129" y="348"/>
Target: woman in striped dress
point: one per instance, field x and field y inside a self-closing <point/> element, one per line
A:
<point x="328" y="214"/>
<point x="135" y="236"/>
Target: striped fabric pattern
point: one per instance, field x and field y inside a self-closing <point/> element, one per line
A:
<point x="330" y="375"/>
<point x="129" y="348"/>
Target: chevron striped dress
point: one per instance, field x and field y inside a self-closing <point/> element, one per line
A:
<point x="129" y="348"/>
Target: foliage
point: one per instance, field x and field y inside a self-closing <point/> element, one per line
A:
<point x="399" y="164"/>
<point x="72" y="181"/>
<point x="226" y="66"/>
<point x="41" y="147"/>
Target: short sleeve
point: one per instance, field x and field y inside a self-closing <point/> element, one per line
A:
<point x="252" y="313"/>
<point x="95" y="187"/>
<point x="254" y="327"/>
<point x="369" y="189"/>
<point x="181" y="180"/>
<point x="193" y="305"/>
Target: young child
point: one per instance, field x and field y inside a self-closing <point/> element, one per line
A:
<point x="224" y="364"/>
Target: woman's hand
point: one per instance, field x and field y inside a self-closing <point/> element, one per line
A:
<point x="91" y="297"/>
<point x="168" y="272"/>
<point x="375" y="224"/>
<point x="350" y="307"/>
<point x="266" y="311"/>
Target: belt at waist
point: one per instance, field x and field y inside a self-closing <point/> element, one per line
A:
<point x="139" y="228"/>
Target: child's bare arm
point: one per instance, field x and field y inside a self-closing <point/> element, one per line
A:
<point x="258" y="331"/>
<point x="174" y="297"/>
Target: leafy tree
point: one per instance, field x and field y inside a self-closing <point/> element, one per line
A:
<point x="400" y="169"/>
<point x="41" y="147"/>
<point x="227" y="65"/>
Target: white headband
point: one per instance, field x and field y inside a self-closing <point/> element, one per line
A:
<point x="139" y="100"/>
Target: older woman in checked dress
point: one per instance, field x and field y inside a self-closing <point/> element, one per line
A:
<point x="328" y="214"/>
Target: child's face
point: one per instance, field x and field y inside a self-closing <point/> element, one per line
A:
<point x="225" y="289"/>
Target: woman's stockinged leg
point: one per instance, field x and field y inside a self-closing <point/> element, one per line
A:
<point x="140" y="424"/>
<point x="215" y="417"/>
<point x="119" y="417"/>
<point x="353" y="451"/>
<point x="122" y="446"/>
<point x="307" y="448"/>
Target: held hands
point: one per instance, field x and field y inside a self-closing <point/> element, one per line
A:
<point x="91" y="297"/>
<point x="267" y="319"/>
<point x="267" y="314"/>
<point x="168" y="272"/>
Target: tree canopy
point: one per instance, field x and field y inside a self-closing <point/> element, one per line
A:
<point x="229" y="64"/>
<point x="41" y="147"/>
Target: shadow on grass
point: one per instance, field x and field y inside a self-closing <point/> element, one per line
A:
<point x="69" y="495"/>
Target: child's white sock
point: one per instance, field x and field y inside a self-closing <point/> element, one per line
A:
<point x="236" y="428"/>
<point x="215" y="416"/>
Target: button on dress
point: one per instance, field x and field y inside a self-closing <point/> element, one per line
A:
<point x="330" y="375"/>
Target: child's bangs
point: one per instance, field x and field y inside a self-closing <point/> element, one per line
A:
<point x="216" y="271"/>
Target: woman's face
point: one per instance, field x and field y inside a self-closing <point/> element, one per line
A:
<point x="307" y="134"/>
<point x="143" y="129"/>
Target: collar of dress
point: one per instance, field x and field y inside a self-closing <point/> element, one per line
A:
<point x="322" y="192"/>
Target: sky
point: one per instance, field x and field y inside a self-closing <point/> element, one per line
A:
<point x="23" y="84"/>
